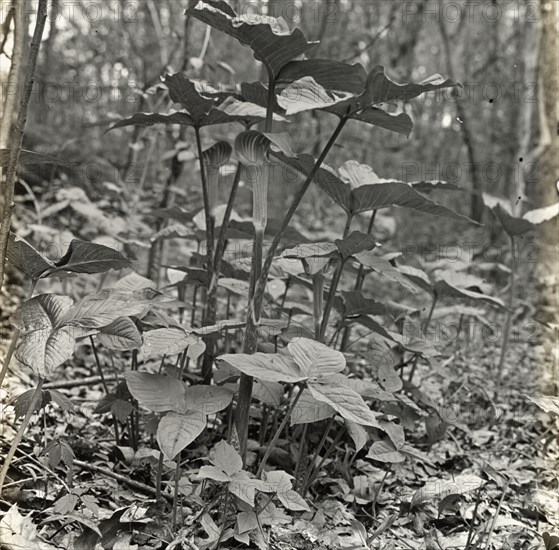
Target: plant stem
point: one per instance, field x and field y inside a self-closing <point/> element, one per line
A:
<point x="359" y="280"/>
<point x="427" y="323"/>
<point x="17" y="134"/>
<point x="334" y="285"/>
<point x="312" y="463"/>
<point x="272" y="444"/>
<point x="497" y="511"/>
<point x="159" y="476"/>
<point x="474" y="516"/>
<point x="23" y="426"/>
<point x="210" y="223"/>
<point x="318" y="302"/>
<point x="15" y="338"/>
<point x="315" y="471"/>
<point x="242" y="412"/>
<point x="302" y="451"/>
<point x="271" y="102"/>
<point x="176" y="491"/>
<point x="210" y="311"/>
<point x="105" y="387"/>
<point x="508" y="323"/>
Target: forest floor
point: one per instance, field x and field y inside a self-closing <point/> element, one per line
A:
<point x="509" y="443"/>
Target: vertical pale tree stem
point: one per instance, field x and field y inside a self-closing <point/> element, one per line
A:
<point x="17" y="136"/>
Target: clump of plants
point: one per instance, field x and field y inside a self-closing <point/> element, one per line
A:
<point x="249" y="425"/>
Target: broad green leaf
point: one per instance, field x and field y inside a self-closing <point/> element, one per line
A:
<point x="354" y="303"/>
<point x="517" y="225"/>
<point x="416" y="276"/>
<point x="149" y="119"/>
<point x="385" y="451"/>
<point x="26" y="258"/>
<point x="306" y="94"/>
<point x="211" y="472"/>
<point x="394" y="431"/>
<point x="246" y="522"/>
<point x="282" y="483"/>
<point x="386" y="269"/>
<point x="398" y="123"/>
<point x="380" y="89"/>
<point x="346" y="402"/>
<point x="45" y="342"/>
<point x="269" y="393"/>
<point x="308" y="410"/>
<point x="269" y="38"/>
<point x="266" y="367"/>
<point x="245" y="487"/>
<point x="166" y="341"/>
<point x="184" y="91"/>
<point x="316" y="359"/>
<point x="86" y="257"/>
<point x="333" y="76"/>
<point x="357" y="175"/>
<point x="120" y="335"/>
<point x="398" y="193"/>
<point x="354" y="243"/>
<point x="157" y="392"/>
<point x="324" y="178"/>
<point x="226" y="458"/>
<point x="102" y="308"/>
<point x="207" y="399"/>
<point x="176" y="431"/>
<point x="246" y="112"/>
<point x="450" y="283"/>
<point x="134" y="282"/>
<point x="357" y="433"/>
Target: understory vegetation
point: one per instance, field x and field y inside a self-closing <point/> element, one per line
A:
<point x="212" y="367"/>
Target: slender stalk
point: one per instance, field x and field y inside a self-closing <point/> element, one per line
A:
<point x="210" y="227"/>
<point x="242" y="412"/>
<point x="316" y="454"/>
<point x="272" y="444"/>
<point x="176" y="491"/>
<point x="99" y="367"/>
<point x="334" y="285"/>
<point x="210" y="311"/>
<point x="105" y="386"/>
<point x="497" y="511"/>
<point x="330" y="302"/>
<point x="15" y="338"/>
<point x="359" y="280"/>
<point x="472" y="523"/>
<point x="19" y="435"/>
<point x="301" y="454"/>
<point x="427" y="323"/>
<point x="271" y="103"/>
<point x="508" y="322"/>
<point x="318" y="302"/>
<point x="17" y="133"/>
<point x="328" y="452"/>
<point x="159" y="476"/>
<point x="295" y="203"/>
